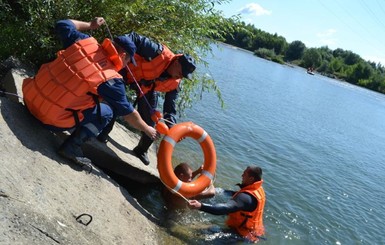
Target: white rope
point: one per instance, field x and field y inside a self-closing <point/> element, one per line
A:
<point x="108" y="29"/>
<point x="174" y="191"/>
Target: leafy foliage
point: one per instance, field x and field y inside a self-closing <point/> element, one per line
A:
<point x="311" y="58"/>
<point x="295" y="50"/>
<point x="187" y="26"/>
<point x="268" y="54"/>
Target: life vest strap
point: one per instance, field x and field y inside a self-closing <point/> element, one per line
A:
<point x="76" y="117"/>
<point x="98" y="108"/>
<point x="245" y="220"/>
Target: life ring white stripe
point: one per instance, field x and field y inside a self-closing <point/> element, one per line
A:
<point x="170" y="140"/>
<point x="178" y="186"/>
<point x="208" y="174"/>
<point x="203" y="137"/>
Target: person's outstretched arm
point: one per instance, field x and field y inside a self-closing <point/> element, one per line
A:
<point x="207" y="193"/>
<point x="90" y="25"/>
<point x="70" y="31"/>
<point x="242" y="201"/>
<point x="137" y="122"/>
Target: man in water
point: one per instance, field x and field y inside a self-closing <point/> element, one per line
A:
<point x="184" y="172"/>
<point x="245" y="208"/>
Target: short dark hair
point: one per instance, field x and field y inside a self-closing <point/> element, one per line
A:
<point x="255" y="172"/>
<point x="182" y="168"/>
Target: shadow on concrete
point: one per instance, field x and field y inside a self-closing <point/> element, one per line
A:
<point x="31" y="134"/>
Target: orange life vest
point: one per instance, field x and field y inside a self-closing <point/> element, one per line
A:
<point x="61" y="89"/>
<point x="151" y="70"/>
<point x="250" y="224"/>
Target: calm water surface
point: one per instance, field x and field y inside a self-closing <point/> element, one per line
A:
<point x="319" y="141"/>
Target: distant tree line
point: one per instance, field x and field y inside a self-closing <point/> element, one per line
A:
<point x="338" y="63"/>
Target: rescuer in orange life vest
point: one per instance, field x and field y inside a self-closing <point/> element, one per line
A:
<point x="158" y="70"/>
<point x="66" y="93"/>
<point x="245" y="208"/>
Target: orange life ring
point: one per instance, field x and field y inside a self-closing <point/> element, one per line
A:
<point x="165" y="168"/>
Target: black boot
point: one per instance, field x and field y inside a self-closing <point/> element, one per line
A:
<point x="71" y="149"/>
<point x="103" y="136"/>
<point x="141" y="149"/>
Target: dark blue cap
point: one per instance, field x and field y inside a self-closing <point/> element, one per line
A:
<point x="188" y="65"/>
<point x="128" y="46"/>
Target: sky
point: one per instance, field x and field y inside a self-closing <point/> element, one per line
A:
<point x="355" y="25"/>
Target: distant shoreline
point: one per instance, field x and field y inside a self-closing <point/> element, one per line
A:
<point x="235" y="47"/>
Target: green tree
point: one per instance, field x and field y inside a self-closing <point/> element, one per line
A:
<point x="351" y="58"/>
<point x="311" y="58"/>
<point x="339" y="53"/>
<point x="361" y="71"/>
<point x="243" y="37"/>
<point x="295" y="50"/>
<point x="381" y="87"/>
<point x="278" y="44"/>
<point x="335" y="65"/>
<point x="326" y="53"/>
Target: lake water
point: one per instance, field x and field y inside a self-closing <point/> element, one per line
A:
<point x="320" y="142"/>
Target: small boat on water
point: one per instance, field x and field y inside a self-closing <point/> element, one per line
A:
<point x="310" y="71"/>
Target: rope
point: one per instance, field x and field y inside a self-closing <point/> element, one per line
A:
<point x="132" y="75"/>
<point x="152" y="110"/>
<point x="108" y="30"/>
<point x="140" y="90"/>
<point x="165" y="120"/>
<point x="183" y="197"/>
<point x="174" y="191"/>
<point x="3" y="92"/>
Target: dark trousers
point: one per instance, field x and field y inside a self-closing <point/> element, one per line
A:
<point x="93" y="123"/>
<point x="145" y="110"/>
